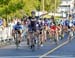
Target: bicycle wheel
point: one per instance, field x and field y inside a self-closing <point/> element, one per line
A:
<point x="70" y="36"/>
<point x="33" y="42"/>
<point x="54" y="39"/>
<point x="61" y="36"/>
<point x="16" y="40"/>
<point x="33" y="47"/>
<point x="28" y="42"/>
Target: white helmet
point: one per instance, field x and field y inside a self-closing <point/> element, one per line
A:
<point x="70" y="24"/>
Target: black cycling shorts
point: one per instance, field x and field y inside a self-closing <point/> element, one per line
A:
<point x="19" y="32"/>
<point x="34" y="29"/>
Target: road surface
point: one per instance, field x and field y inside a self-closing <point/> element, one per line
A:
<point x="23" y="51"/>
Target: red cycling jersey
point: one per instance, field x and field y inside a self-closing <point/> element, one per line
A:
<point x="53" y="28"/>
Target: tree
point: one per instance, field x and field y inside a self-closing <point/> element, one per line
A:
<point x="50" y="5"/>
<point x="14" y="7"/>
<point x="10" y="6"/>
<point x="4" y="2"/>
<point x="31" y="5"/>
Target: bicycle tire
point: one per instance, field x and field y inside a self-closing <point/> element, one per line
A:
<point x="33" y="47"/>
<point x="54" y="39"/>
<point x="16" y="40"/>
<point x="33" y="42"/>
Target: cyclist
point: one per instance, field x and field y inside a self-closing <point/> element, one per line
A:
<point x="64" y="24"/>
<point x="17" y="28"/>
<point x="33" y="21"/>
<point x="59" y="28"/>
<point x="25" y="29"/>
<point x="70" y="30"/>
<point x="54" y="32"/>
<point x="32" y="29"/>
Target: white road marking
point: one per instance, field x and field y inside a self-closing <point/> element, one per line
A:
<point x="54" y="49"/>
<point x="49" y="52"/>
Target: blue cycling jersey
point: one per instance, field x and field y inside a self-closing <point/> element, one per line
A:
<point x="48" y="22"/>
<point x="67" y="22"/>
<point x="17" y="27"/>
<point x="73" y="22"/>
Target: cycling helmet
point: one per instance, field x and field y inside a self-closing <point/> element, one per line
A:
<point x="18" y="23"/>
<point x="70" y="25"/>
<point x="33" y="12"/>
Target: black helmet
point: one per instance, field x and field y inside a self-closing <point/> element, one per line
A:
<point x="33" y="12"/>
<point x="18" y="23"/>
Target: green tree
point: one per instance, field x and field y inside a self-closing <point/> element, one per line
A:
<point x="4" y="2"/>
<point x="31" y="5"/>
<point x="14" y="7"/>
<point x="10" y="6"/>
<point x="50" y="4"/>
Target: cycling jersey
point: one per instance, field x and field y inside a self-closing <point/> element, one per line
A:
<point x="17" y="27"/>
<point x="70" y="24"/>
<point x="73" y="22"/>
<point x="32" y="25"/>
<point x="45" y="23"/>
<point x="42" y="23"/>
<point x="53" y="27"/>
<point x="29" y="28"/>
<point x="62" y="22"/>
<point x="67" y="22"/>
<point x="25" y="29"/>
<point x="57" y="21"/>
<point x="49" y="22"/>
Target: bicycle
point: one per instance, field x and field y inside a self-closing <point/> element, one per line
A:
<point x="37" y="37"/>
<point x="60" y="32"/>
<point x="31" y="41"/>
<point x="54" y="36"/>
<point x="16" y="38"/>
<point x="70" y="34"/>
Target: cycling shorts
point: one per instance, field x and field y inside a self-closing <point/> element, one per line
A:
<point x="18" y="31"/>
<point x="30" y="29"/>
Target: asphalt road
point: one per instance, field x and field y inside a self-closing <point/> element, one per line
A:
<point x="23" y="51"/>
<point x="67" y="51"/>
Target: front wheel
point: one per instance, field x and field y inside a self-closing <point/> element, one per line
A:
<point x="17" y="43"/>
<point x="17" y="40"/>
